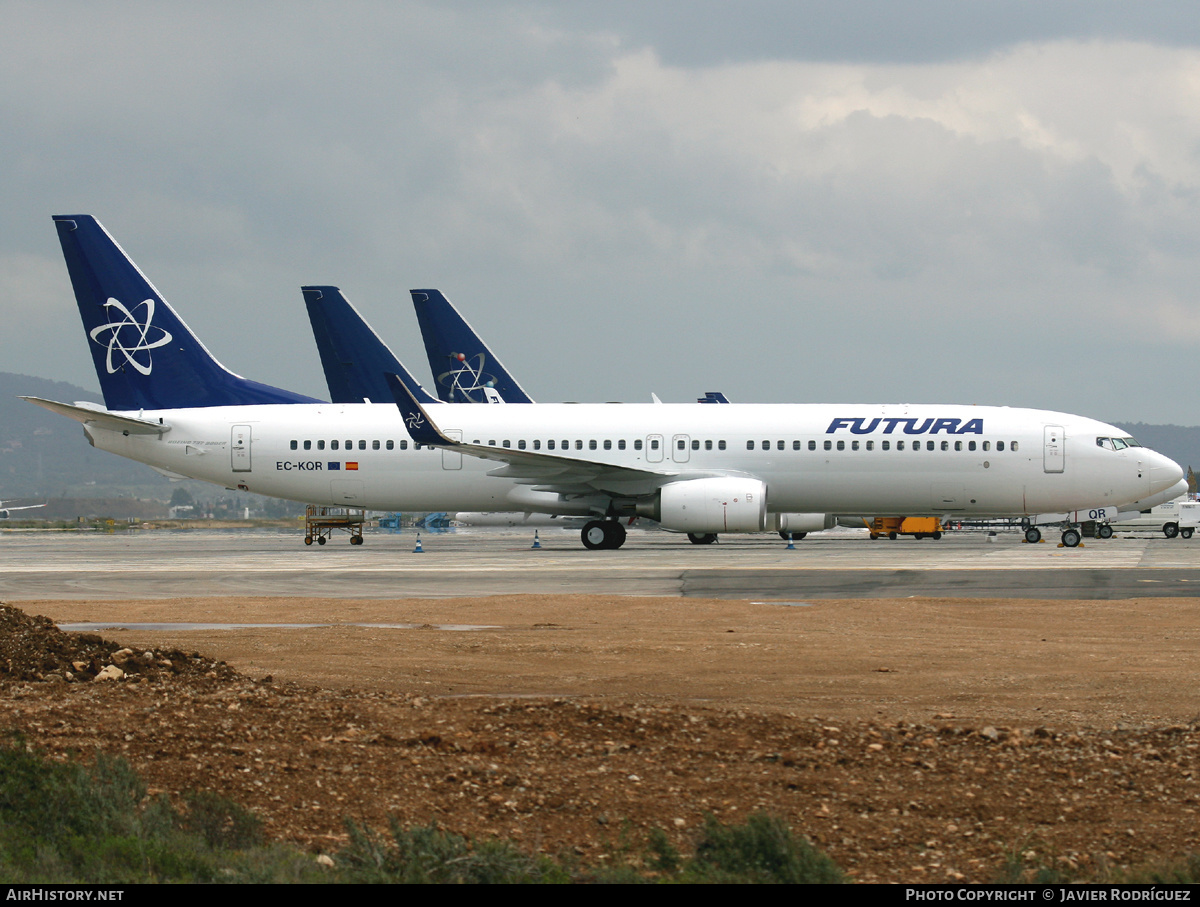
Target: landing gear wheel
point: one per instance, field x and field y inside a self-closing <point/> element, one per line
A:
<point x="796" y="536"/>
<point x="308" y="540"/>
<point x="705" y="539"/>
<point x="1070" y="538"/>
<point x="616" y="534"/>
<point x="1186" y="533"/>
<point x="1104" y="531"/>
<point x="321" y="540"/>
<point x="1170" y="530"/>
<point x="1033" y="535"/>
<point x="593" y="535"/>
<point x="602" y="535"/>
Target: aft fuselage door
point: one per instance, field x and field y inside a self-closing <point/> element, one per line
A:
<point x="1053" y="449"/>
<point x="452" y="459"/>
<point x="239" y="447"/>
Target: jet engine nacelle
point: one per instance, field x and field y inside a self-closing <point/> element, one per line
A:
<point x="703" y="506"/>
<point x="804" y="522"/>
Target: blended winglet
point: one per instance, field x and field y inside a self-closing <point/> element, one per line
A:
<point x="421" y="428"/>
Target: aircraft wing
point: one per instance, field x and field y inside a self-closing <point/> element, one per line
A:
<point x="544" y="471"/>
<point x="102" y="418"/>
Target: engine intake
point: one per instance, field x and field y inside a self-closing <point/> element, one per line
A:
<point x="704" y="506"/>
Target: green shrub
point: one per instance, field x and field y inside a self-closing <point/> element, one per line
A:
<point x="763" y="850"/>
<point x="426" y="854"/>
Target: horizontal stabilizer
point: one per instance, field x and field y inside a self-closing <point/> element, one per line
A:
<point x="102" y="418"/>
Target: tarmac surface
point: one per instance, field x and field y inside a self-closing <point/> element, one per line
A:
<point x="837" y="564"/>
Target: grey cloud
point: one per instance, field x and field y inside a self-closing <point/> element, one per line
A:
<point x="618" y="222"/>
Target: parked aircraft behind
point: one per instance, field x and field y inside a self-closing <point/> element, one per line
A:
<point x="355" y="360"/>
<point x="464" y="369"/>
<point x="694" y="468"/>
<point x="6" y="510"/>
<point x="515" y="520"/>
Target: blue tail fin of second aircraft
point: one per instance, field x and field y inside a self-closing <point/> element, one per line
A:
<point x="145" y="356"/>
<point x="355" y="360"/>
<point x="464" y="369"/>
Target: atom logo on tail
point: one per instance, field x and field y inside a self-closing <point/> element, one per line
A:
<point x="129" y="336"/>
<point x="467" y="380"/>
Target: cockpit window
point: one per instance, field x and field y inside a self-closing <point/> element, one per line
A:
<point x="1116" y="443"/>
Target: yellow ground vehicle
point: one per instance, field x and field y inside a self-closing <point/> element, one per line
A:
<point x="917" y="526"/>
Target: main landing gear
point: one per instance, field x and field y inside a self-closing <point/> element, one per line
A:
<point x="702" y="539"/>
<point x="602" y="535"/>
<point x="1071" y="536"/>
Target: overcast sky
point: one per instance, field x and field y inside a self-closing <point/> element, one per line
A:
<point x="785" y="201"/>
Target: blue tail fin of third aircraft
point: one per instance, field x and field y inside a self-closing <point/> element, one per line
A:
<point x="355" y="360"/>
<point x="145" y="356"/>
<point x="464" y="369"/>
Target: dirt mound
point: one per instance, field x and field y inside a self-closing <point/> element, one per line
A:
<point x="947" y="798"/>
<point x="34" y="649"/>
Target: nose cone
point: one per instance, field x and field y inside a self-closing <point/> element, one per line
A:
<point x="1164" y="472"/>
<point x="1178" y="490"/>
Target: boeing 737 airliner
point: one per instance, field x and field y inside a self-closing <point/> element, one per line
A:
<point x="694" y="468"/>
<point x="355" y="360"/>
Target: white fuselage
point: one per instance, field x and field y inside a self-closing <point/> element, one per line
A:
<point x="829" y="458"/>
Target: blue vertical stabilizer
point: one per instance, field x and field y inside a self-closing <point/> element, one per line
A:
<point x="464" y="369"/>
<point x="355" y="360"/>
<point x="145" y="356"/>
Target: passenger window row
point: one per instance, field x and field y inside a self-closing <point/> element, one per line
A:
<point x="683" y="444"/>
<point x="887" y="445"/>
<point x="350" y="445"/>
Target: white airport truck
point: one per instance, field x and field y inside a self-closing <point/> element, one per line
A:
<point x="1179" y="517"/>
